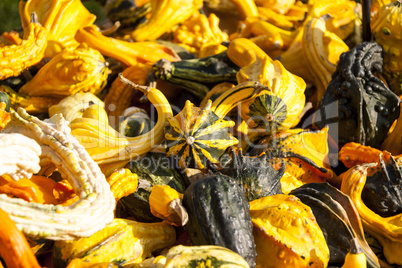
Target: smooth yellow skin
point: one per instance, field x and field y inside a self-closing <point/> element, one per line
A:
<point x="96" y="112"/>
<point x="355" y="260"/>
<point x="121" y="240"/>
<point x="105" y="145"/>
<point x="60" y="18"/>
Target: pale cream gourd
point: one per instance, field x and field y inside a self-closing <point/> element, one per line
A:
<point x="19" y="156"/>
<point x="96" y="204"/>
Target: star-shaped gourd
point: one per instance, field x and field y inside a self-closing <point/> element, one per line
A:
<point x="198" y="137"/>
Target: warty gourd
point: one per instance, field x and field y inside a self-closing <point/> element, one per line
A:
<point x="95" y="207"/>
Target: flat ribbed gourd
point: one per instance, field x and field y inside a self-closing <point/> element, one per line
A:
<point x="266" y="111"/>
<point x="198" y="136"/>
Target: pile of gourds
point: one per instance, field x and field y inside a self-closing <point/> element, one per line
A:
<point x="189" y="133"/>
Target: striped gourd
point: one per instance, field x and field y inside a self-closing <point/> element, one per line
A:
<point x="265" y="111"/>
<point x="198" y="136"/>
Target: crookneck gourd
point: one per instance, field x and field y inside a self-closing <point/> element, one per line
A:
<point x="376" y="191"/>
<point x="256" y="174"/>
<point x="317" y="53"/>
<point x="136" y="242"/>
<point x="165" y="15"/>
<point x="197" y="76"/>
<point x="338" y="219"/>
<point x="280" y="18"/>
<point x="60" y="18"/>
<point x="264" y="33"/>
<point x="278" y="108"/>
<point x="73" y="106"/>
<point x="129" y="53"/>
<point x="386" y="31"/>
<point x="120" y="94"/>
<point x="81" y="69"/>
<point x="357" y="104"/>
<point x="96" y="203"/>
<point x="16" y="58"/>
<point x="344" y="16"/>
<point x="218" y="214"/>
<point x="38" y="189"/>
<point x="286" y="233"/>
<point x="31" y="104"/>
<point x="353" y="154"/>
<point x="106" y="145"/>
<point x="198" y="137"/>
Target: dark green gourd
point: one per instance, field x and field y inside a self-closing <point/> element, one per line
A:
<point x="382" y="192"/>
<point x="219" y="215"/>
<point x="197" y="76"/>
<point x="338" y="219"/>
<point x="255" y="174"/>
<point x="357" y="105"/>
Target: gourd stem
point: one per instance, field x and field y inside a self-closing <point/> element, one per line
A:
<point x="366" y="6"/>
<point x="112" y="29"/>
<point x="34" y="17"/>
<point x="143" y="89"/>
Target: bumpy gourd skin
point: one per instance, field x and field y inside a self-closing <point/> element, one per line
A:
<point x="219" y="215"/>
<point x="81" y="69"/>
<point x="258" y="177"/>
<point x="363" y="107"/>
<point x="386" y="26"/>
<point x="16" y="58"/>
<point x="382" y="192"/>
